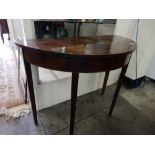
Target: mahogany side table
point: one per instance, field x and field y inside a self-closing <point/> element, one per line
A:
<point x="78" y="55"/>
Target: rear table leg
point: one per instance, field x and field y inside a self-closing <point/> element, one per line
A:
<point x="105" y="81"/>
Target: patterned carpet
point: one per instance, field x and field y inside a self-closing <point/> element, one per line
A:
<point x="10" y="92"/>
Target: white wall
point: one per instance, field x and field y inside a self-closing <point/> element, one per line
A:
<point x="91" y="29"/>
<point x="85" y="29"/>
<point x="127" y="28"/>
<point x="10" y="29"/>
<point x="105" y="29"/>
<point x="29" y="29"/>
<point x="16" y="32"/>
<point x="16" y="29"/>
<point x="151" y="69"/>
<point x="21" y="28"/>
<point x="146" y="46"/>
<point x="145" y="43"/>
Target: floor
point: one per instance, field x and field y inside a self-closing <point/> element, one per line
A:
<point x="134" y="114"/>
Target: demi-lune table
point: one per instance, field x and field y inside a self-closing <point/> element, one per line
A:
<point x="78" y="55"/>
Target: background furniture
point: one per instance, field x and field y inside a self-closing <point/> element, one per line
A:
<point x="48" y="27"/>
<point x="83" y="55"/>
<point x="51" y="27"/>
<point x="79" y="22"/>
<point x="4" y="29"/>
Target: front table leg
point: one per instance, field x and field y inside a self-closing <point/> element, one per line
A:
<point x="31" y="90"/>
<point x="123" y="71"/>
<point x="74" y="87"/>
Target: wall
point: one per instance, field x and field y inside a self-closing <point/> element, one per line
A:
<point x="16" y="32"/>
<point x="91" y="29"/>
<point x="29" y="28"/>
<point x="127" y="28"/>
<point x="105" y="29"/>
<point x="17" y="26"/>
<point x="85" y="29"/>
<point x="151" y="69"/>
<point x="145" y="44"/>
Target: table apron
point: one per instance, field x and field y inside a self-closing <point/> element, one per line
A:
<point x="79" y="64"/>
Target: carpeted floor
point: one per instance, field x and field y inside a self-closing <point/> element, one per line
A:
<point x="10" y="92"/>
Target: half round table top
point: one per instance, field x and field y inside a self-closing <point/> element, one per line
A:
<point x="84" y="54"/>
<point x="84" y="46"/>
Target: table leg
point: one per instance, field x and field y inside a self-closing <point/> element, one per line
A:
<point x="74" y="87"/>
<point x="31" y="90"/>
<point x="105" y="81"/>
<point x="120" y="81"/>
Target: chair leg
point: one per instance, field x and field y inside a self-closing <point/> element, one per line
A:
<point x="2" y="37"/>
<point x="105" y="81"/>
<point x="120" y="81"/>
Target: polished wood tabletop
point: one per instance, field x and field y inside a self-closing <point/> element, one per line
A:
<point x="78" y="55"/>
<point x="83" y="52"/>
<point x="86" y="46"/>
